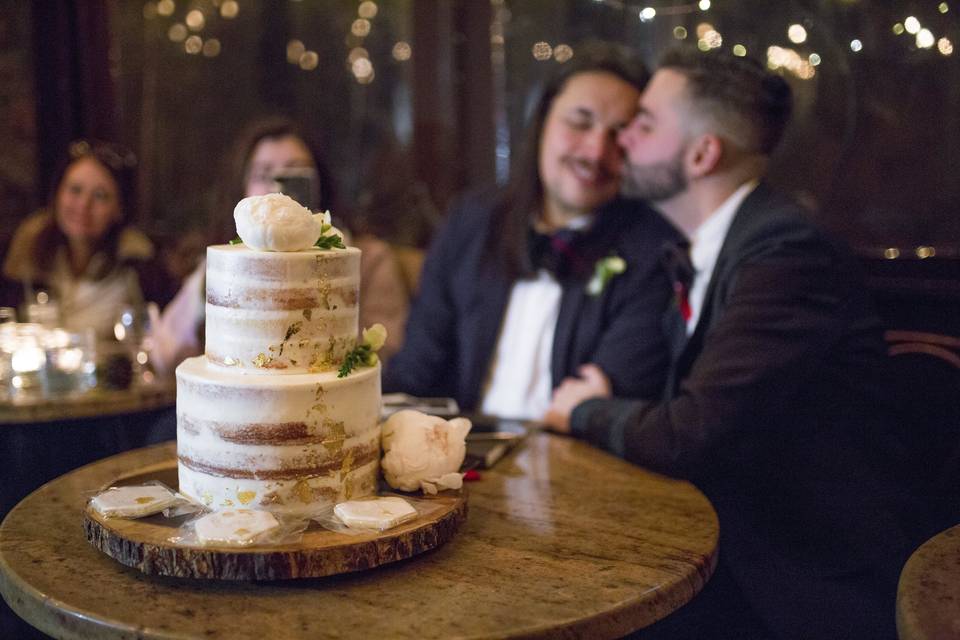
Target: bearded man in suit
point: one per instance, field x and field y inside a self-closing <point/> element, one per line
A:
<point x="774" y="401"/>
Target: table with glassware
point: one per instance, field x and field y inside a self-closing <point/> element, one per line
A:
<point x="560" y="540"/>
<point x="67" y="399"/>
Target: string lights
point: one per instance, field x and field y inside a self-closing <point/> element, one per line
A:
<point x="779" y="58"/>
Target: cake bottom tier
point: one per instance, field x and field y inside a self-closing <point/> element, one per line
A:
<point x="290" y="443"/>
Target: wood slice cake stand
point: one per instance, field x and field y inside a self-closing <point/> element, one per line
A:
<point x="144" y="543"/>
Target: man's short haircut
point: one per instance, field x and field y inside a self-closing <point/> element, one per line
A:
<point x="749" y="104"/>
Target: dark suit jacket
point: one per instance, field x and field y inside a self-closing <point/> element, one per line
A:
<point x="775" y="410"/>
<point x="455" y="321"/>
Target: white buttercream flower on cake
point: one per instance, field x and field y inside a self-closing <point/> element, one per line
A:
<point x="276" y="222"/>
<point x="423" y="451"/>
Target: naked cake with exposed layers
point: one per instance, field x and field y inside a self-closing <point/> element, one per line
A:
<point x="263" y="418"/>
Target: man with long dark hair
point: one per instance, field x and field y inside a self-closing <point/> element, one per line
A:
<point x="527" y="283"/>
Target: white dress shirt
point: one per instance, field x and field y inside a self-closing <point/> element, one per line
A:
<point x="519" y="384"/>
<point x="705" y="248"/>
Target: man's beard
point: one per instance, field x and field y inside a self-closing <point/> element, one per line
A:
<point x="656" y="182"/>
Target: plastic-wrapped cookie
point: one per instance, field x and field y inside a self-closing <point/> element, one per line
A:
<point x="235" y="527"/>
<point x="378" y="513"/>
<point x="133" y="501"/>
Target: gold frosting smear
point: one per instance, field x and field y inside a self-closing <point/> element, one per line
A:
<point x="144" y="500"/>
<point x="246" y="497"/>
<point x="303" y="492"/>
<point x="347" y="463"/>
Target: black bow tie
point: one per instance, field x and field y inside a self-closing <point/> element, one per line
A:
<point x="556" y="252"/>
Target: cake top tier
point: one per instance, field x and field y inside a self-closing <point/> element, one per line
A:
<point x="281" y="312"/>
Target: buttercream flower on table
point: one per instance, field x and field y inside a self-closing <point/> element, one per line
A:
<point x="605" y="270"/>
<point x="277" y="222"/>
<point x="365" y="353"/>
<point x="423" y="452"/>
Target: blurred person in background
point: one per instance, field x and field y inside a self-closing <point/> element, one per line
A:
<point x="80" y="255"/>
<point x="525" y="284"/>
<point x="266" y="149"/>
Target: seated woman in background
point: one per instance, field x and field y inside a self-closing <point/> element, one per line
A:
<point x="80" y="253"/>
<point x="525" y="285"/>
<point x="265" y="149"/>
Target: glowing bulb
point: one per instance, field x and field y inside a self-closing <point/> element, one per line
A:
<point x="401" y="51"/>
<point x="856" y="45"/>
<point x="797" y="33"/>
<point x="562" y="52"/>
<point x="367" y="9"/>
<point x="295" y="49"/>
<point x="704" y="5"/>
<point x="898" y="29"/>
<point x="177" y="32"/>
<point x="647" y="14"/>
<point x="912" y="25"/>
<point x="542" y="51"/>
<point x="229" y="9"/>
<point x="713" y="39"/>
<point x="211" y="48"/>
<point x="945" y="46"/>
<point x="702" y="29"/>
<point x="195" y="20"/>
<point x="166" y="7"/>
<point x="360" y="27"/>
<point x="679" y="33"/>
<point x="814" y="59"/>
<point x="925" y="39"/>
<point x="739" y="50"/>
<point x="193" y="45"/>
<point x="943" y="8"/>
<point x="309" y="60"/>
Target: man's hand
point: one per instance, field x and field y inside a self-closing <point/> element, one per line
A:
<point x="592" y="383"/>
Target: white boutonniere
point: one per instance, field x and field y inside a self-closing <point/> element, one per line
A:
<point x="604" y="271"/>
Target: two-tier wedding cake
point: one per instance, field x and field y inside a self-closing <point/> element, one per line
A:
<point x="263" y="418"/>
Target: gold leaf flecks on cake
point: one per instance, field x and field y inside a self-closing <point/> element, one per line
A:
<point x="144" y="500"/>
<point x="335" y="429"/>
<point x="325" y="290"/>
<point x="333" y="447"/>
<point x="246" y="497"/>
<point x="227" y="502"/>
<point x="207" y="498"/>
<point x="293" y="330"/>
<point x="262" y="360"/>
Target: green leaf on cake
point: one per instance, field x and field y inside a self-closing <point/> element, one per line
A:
<point x="365" y="353"/>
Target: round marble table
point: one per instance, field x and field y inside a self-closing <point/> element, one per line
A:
<point x="928" y="596"/>
<point x="561" y="540"/>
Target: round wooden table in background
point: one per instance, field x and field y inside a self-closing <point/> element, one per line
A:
<point x="928" y="596"/>
<point x="561" y="540"/>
